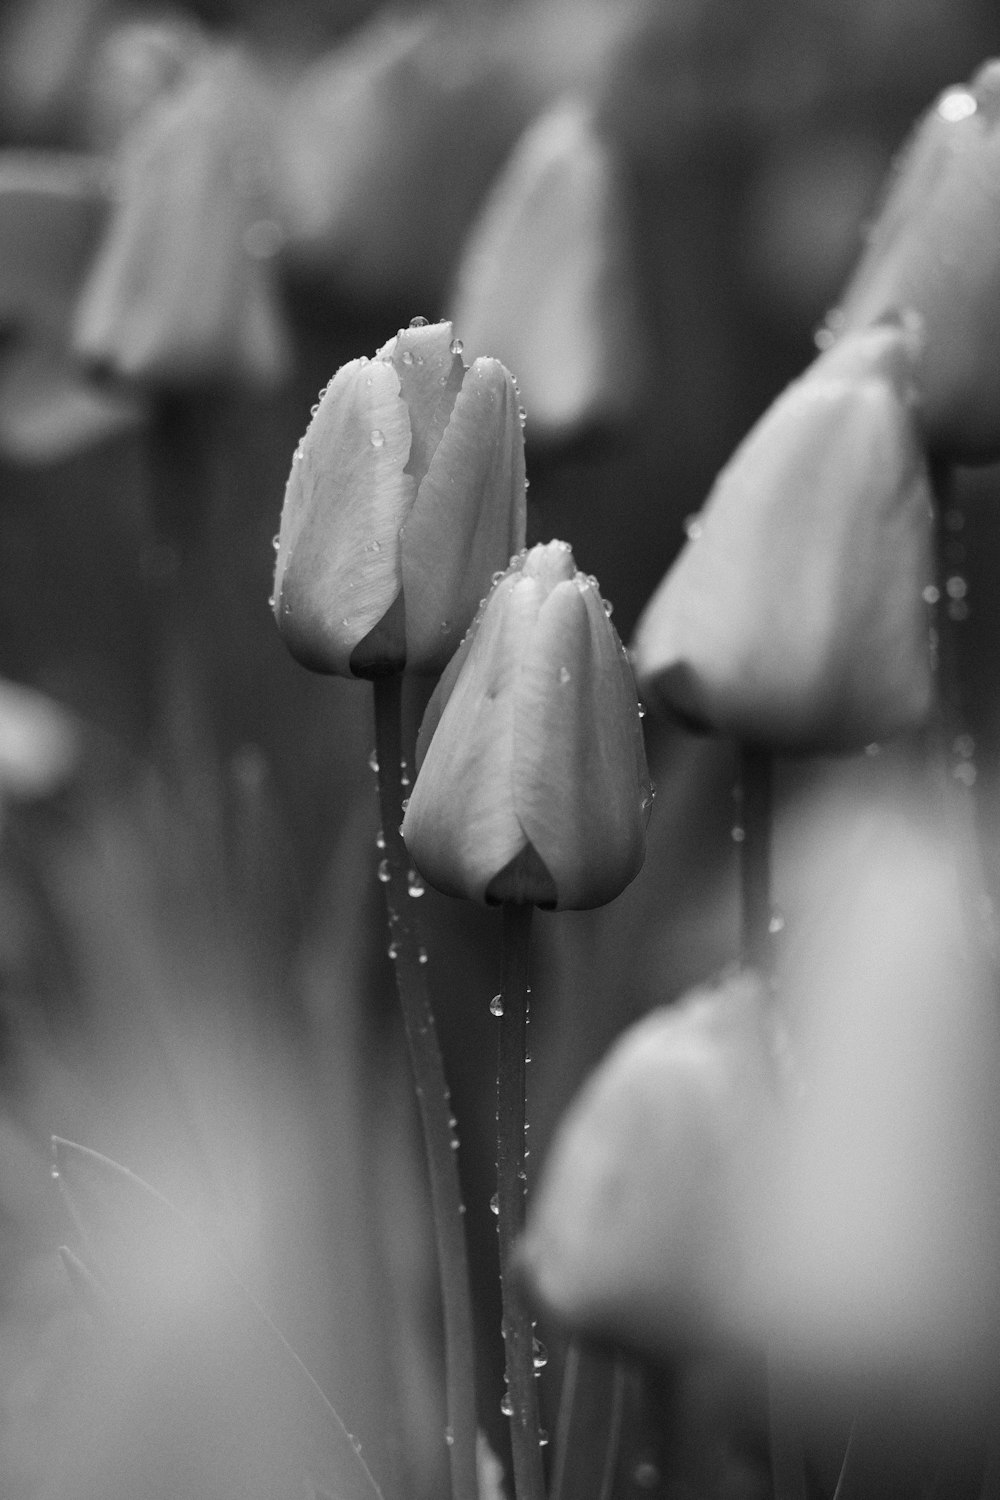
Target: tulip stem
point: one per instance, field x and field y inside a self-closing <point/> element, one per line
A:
<point x="521" y="1397"/>
<point x="433" y="1099"/>
<point x="755" y="787"/>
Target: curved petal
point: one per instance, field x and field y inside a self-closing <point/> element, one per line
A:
<point x="460" y="825"/>
<point x="576" y="738"/>
<point x="468" y="517"/>
<point x="795" y="616"/>
<point x="430" y="377"/>
<point x="338" y="566"/>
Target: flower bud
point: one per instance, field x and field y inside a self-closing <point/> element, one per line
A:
<point x="635" y="1232"/>
<point x="180" y="291"/>
<point x="794" y="616"/>
<point x="405" y="496"/>
<point x="545" y="279"/>
<point x="935" y="252"/>
<point x="533" y="784"/>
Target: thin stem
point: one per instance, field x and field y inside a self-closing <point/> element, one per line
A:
<point x="409" y="957"/>
<point x="755" y="858"/>
<point x="522" y="1395"/>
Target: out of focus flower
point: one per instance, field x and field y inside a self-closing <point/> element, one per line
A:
<point x="879" y="1268"/>
<point x="545" y="279"/>
<point x="52" y="208"/>
<point x="935" y="252"/>
<point x="182" y="290"/>
<point x="636" y="1232"/>
<point x="406" y="495"/>
<point x="795" y="615"/>
<point x="533" y="784"/>
<point x="39" y="743"/>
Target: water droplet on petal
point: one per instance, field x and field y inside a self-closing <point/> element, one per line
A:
<point x="376" y="437"/>
<point x="407" y="357"/>
<point x="693" y="528"/>
<point x="271" y="602"/>
<point x="384" y="873"/>
<point x="646" y="1475"/>
<point x="522" y="415"/>
<point x="777" y="923"/>
<point x="276" y="541"/>
<point x="406" y="801"/>
<point x="564" y="674"/>
<point x="314" y="409"/>
<point x="957" y="104"/>
<point x="496" y="1005"/>
<point x="417" y="322"/>
<point x="456" y="346"/>
<point x="609" y="608"/>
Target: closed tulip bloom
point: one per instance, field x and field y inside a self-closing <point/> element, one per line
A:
<point x="181" y="291"/>
<point x="636" y="1230"/>
<point x="532" y="783"/>
<point x="795" y="617"/>
<point x="935" y="252"/>
<point x="405" y="496"/>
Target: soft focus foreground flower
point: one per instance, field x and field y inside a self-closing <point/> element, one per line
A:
<point x="181" y="291"/>
<point x="52" y="208"/>
<point x="935" y="252"/>
<point x="533" y="784"/>
<point x="880" y="1260"/>
<point x="636" y="1230"/>
<point x="406" y="495"/>
<point x="794" y="616"/>
<point x="545" y="280"/>
<point x="39" y="743"/>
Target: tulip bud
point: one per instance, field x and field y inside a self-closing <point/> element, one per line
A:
<point x="935" y="252"/>
<point x="794" y="617"/>
<point x="532" y="783"/>
<point x="181" y="291"/>
<point x="635" y="1232"/>
<point x="406" y="495"/>
<point x="545" y="279"/>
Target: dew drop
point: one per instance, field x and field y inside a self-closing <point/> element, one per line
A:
<point x="496" y="577"/>
<point x="373" y="761"/>
<point x="407" y="357"/>
<point x="738" y="833"/>
<point x="564" y="674"/>
<point x="271" y="602"/>
<point x="380" y="840"/>
<point x="417" y="322"/>
<point x="956" y="587"/>
<point x="965" y="772"/>
<point x="609" y="608"/>
<point x="376" y="437"/>
<point x="494" y="1204"/>
<point x="314" y="409"/>
<point x="777" y="923"/>
<point x="406" y="801"/>
<point x="393" y="949"/>
<point x="496" y="1005"/>
<point x="449" y="1437"/>
<point x="543" y="1438"/>
<point x="456" y="346"/>
<point x="646" y="1475"/>
<point x="693" y="528"/>
<point x="931" y="594"/>
<point x="276" y="541"/>
<point x="642" y="710"/>
<point x="522" y="415"/>
<point x="507" y="1404"/>
<point x="422" y="959"/>
<point x="539" y="1354"/>
<point x="384" y="873"/>
<point x="957" y="104"/>
<point x="414" y="885"/>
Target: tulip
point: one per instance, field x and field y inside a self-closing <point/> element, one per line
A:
<point x="545" y="280"/>
<point x="406" y="495"/>
<point x="532" y="784"/>
<point x="636" y="1230"/>
<point x="935" y="252"/>
<point x="794" y="617"/>
<point x="181" y="290"/>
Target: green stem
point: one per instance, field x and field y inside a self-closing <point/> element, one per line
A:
<point x="522" y="1395"/>
<point x="409" y="957"/>
<point x="755" y="859"/>
<point x="788" y="1475"/>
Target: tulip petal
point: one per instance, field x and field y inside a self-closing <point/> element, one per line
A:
<point x="463" y="525"/>
<point x="466" y="767"/>
<point x="794" y="617"/>
<point x="577" y="739"/>
<point x="430" y="377"/>
<point x="347" y="482"/>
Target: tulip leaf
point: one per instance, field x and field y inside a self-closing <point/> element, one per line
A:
<point x="175" y="1293"/>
